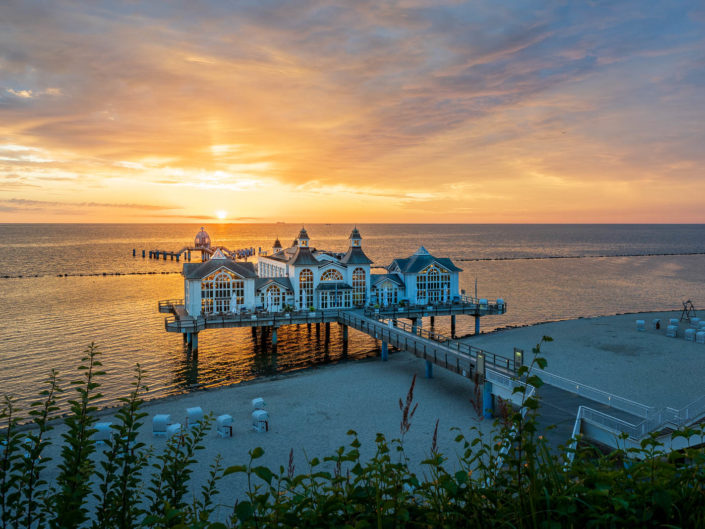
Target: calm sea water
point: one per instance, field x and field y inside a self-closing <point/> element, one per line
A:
<point x="56" y="298"/>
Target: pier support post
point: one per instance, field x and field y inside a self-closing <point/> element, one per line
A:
<point x="429" y="369"/>
<point x="185" y="335"/>
<point x="254" y="332"/>
<point x="477" y="324"/>
<point x="487" y="400"/>
<point x="413" y="325"/>
<point x="433" y="321"/>
<point x="452" y="326"/>
<point x="345" y="334"/>
<point x="274" y="336"/>
<point x="134" y="252"/>
<point x="194" y="342"/>
<point x="142" y="254"/>
<point x="327" y="331"/>
<point x="385" y="351"/>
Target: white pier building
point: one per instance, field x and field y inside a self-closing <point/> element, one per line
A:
<point x="302" y="278"/>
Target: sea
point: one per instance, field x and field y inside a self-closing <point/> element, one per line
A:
<point x="65" y="286"/>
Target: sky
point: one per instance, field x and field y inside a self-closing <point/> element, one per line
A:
<point x="352" y="111"/>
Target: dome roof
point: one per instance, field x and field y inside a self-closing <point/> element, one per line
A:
<point x="277" y="244"/>
<point x="303" y="234"/>
<point x="203" y="240"/>
<point x="355" y="234"/>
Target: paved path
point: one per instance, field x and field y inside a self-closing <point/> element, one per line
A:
<point x="559" y="408"/>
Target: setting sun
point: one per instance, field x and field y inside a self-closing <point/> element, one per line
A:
<point x="221" y="214"/>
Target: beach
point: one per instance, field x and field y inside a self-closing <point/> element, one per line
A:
<point x="312" y="410"/>
<point x="608" y="353"/>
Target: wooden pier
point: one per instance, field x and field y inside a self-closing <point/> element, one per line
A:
<point x="383" y="324"/>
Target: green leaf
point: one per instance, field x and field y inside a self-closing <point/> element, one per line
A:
<point x="264" y="473"/>
<point x="235" y="469"/>
<point x="257" y="453"/>
<point x="243" y="510"/>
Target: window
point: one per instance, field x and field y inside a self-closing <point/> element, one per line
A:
<point x="222" y="291"/>
<point x="331" y="275"/>
<point x="359" y="285"/>
<point x="386" y="294"/>
<point x="433" y="285"/>
<point x="272" y="298"/>
<point x="305" y="289"/>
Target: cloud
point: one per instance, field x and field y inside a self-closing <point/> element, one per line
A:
<point x="21" y="203"/>
<point x="398" y="101"/>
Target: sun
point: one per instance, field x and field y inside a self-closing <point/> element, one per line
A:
<point x="221" y="214"/>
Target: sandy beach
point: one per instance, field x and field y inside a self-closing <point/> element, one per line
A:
<point x="609" y="353"/>
<point x="312" y="410"/>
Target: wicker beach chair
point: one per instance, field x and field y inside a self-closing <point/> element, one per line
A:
<point x="160" y="423"/>
<point x="193" y="416"/>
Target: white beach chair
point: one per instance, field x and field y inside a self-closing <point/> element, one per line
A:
<point x="700" y="337"/>
<point x="694" y="322"/>
<point x="674" y="321"/>
<point x="193" y="416"/>
<point x="258" y="403"/>
<point x="701" y="325"/>
<point x="672" y="331"/>
<point x="689" y="335"/>
<point x="224" y="425"/>
<point x="160" y="423"/>
<point x="172" y="430"/>
<point x="103" y="432"/>
<point x="260" y="421"/>
<point x="640" y="325"/>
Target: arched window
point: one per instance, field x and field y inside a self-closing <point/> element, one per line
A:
<point x="433" y="285"/>
<point x="219" y="290"/>
<point x="272" y="298"/>
<point x="359" y="285"/>
<point x="305" y="289"/>
<point x="331" y="275"/>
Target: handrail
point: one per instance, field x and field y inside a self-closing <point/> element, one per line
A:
<point x="597" y="395"/>
<point x="491" y="359"/>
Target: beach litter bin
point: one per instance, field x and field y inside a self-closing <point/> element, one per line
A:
<point x="690" y="335"/>
<point x="172" y="430"/>
<point x="224" y="425"/>
<point x="102" y="433"/>
<point x="672" y="331"/>
<point x="160" y="423"/>
<point x="193" y="416"/>
<point x="260" y="421"/>
<point x="258" y="403"/>
<point x="700" y="337"/>
<point x="640" y="325"/>
<point x="656" y="323"/>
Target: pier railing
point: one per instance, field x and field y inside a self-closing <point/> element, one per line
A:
<point x="463" y="305"/>
<point x="597" y="395"/>
<point x="421" y="341"/>
<point x="225" y="319"/>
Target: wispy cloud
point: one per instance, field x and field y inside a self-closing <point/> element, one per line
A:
<point x="273" y="104"/>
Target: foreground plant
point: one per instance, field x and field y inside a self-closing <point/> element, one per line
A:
<point x="76" y="467"/>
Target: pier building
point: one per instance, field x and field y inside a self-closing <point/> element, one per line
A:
<point x="302" y="284"/>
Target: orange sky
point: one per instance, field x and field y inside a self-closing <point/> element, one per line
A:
<point x="312" y="111"/>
